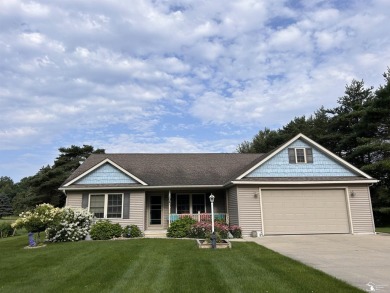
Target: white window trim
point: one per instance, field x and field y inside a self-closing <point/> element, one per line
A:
<point x="304" y="155"/>
<point x="106" y="203"/>
<point x="190" y="201"/>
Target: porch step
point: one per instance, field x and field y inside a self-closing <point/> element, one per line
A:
<point x="155" y="233"/>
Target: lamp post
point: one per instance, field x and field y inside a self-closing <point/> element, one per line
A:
<point x="212" y="197"/>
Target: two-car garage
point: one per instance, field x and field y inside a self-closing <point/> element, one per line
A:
<point x="304" y="211"/>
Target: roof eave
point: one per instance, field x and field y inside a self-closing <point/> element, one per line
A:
<point x="368" y="181"/>
<point x="138" y="187"/>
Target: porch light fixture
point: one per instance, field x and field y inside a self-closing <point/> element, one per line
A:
<point x="212" y="197"/>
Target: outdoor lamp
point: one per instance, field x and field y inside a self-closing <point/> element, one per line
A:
<point x="212" y="197"/>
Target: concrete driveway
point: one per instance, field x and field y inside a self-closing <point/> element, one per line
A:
<point x="356" y="259"/>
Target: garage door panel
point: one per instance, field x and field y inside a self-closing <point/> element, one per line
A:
<point x="304" y="211"/>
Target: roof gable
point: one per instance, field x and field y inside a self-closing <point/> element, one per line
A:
<point x="106" y="174"/>
<point x="322" y="166"/>
<point x="335" y="163"/>
<point x="107" y="171"/>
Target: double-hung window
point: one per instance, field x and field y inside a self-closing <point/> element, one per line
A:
<point x="300" y="155"/>
<point x="190" y="203"/>
<point x="107" y="205"/>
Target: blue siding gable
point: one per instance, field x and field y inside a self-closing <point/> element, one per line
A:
<point x="106" y="174"/>
<point x="323" y="165"/>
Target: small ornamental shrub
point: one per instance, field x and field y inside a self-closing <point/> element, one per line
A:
<point x="181" y="228"/>
<point x="200" y="230"/>
<point x="71" y="225"/>
<point x="104" y="230"/>
<point x="222" y="229"/>
<point x="218" y="237"/>
<point x="5" y="229"/>
<point x="131" y="231"/>
<point x="38" y="219"/>
<point x="236" y="231"/>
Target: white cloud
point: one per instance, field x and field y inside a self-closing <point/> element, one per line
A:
<point x="73" y="70"/>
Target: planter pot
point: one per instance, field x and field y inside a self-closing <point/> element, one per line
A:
<point x="203" y="244"/>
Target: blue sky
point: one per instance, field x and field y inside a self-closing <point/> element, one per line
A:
<point x="174" y="76"/>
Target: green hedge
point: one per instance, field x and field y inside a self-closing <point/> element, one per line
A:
<point x="104" y="230"/>
<point x="382" y="217"/>
<point x="131" y="231"/>
<point x="5" y="229"/>
<point x="181" y="228"/>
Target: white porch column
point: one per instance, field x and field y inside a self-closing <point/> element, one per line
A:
<point x="169" y="208"/>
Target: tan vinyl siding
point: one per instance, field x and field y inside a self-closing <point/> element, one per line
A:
<point x="73" y="200"/>
<point x="165" y="211"/>
<point x="233" y="206"/>
<point x="361" y="212"/>
<point x="137" y="209"/>
<point x="249" y="209"/>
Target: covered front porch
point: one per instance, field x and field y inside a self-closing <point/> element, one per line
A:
<point x="165" y="207"/>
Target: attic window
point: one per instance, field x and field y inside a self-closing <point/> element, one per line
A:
<point x="300" y="155"/>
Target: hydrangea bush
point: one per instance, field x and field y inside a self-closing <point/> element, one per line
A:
<point x="60" y="224"/>
<point x="71" y="225"/>
<point x="38" y="219"/>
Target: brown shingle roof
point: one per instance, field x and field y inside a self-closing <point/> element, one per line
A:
<point x="177" y="169"/>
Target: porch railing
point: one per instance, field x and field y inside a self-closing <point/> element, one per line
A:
<point x="201" y="217"/>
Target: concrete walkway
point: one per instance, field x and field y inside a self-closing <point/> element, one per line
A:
<point x="356" y="259"/>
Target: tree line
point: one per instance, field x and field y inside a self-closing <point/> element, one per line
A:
<point x="43" y="186"/>
<point x="357" y="130"/>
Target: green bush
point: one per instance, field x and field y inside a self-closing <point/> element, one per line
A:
<point x="131" y="231"/>
<point x="236" y="231"/>
<point x="218" y="238"/>
<point x="181" y="228"/>
<point x="5" y="229"/>
<point x="104" y="230"/>
<point x="382" y="217"/>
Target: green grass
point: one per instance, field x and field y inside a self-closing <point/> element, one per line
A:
<point x="155" y="265"/>
<point x="382" y="229"/>
<point x="9" y="218"/>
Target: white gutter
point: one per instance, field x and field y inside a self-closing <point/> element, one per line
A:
<point x="302" y="182"/>
<point x="141" y="187"/>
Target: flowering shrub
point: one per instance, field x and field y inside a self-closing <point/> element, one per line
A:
<point x="71" y="225"/>
<point x="200" y="230"/>
<point x="104" y="230"/>
<point x="222" y="229"/>
<point x="38" y="219"/>
<point x="236" y="231"/>
<point x="203" y="230"/>
<point x="131" y="231"/>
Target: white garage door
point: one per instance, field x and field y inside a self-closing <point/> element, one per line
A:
<point x="313" y="211"/>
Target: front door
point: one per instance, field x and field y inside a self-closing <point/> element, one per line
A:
<point x="155" y="209"/>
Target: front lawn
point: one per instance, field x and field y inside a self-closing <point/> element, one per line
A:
<point x="154" y="265"/>
<point x="382" y="229"/>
